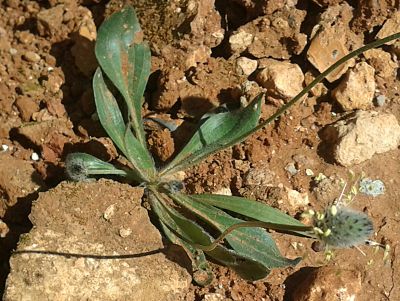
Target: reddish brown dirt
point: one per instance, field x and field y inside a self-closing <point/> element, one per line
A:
<point x="46" y="106"/>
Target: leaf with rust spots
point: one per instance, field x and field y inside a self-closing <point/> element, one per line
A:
<point x="111" y="119"/>
<point x="125" y="59"/>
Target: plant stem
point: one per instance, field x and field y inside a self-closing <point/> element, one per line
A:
<point x="319" y="78"/>
<point x="248" y="224"/>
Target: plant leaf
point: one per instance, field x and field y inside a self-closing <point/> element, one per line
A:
<point x="252" y="209"/>
<point x="218" y="132"/>
<point x="80" y="166"/>
<point x="112" y="121"/>
<point x="254" y="243"/>
<point x="245" y="267"/>
<point x="126" y="60"/>
<point x="202" y="273"/>
<point x="199" y="262"/>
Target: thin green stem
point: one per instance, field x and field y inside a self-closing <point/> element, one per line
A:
<point x="304" y="230"/>
<point x="319" y="78"/>
<point x="248" y="224"/>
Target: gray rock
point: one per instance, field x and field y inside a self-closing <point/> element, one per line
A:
<point x="380" y="100"/>
<point x="73" y="253"/>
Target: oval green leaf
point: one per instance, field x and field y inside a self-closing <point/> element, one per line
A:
<point x="112" y="121"/>
<point x="219" y="131"/>
<point x="126" y="60"/>
<point x="254" y="243"/>
<point x="253" y="209"/>
<point x="191" y="233"/>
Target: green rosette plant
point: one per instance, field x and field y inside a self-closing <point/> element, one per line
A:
<point x="228" y="229"/>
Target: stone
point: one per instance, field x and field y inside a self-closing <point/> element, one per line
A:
<point x="50" y="20"/>
<point x="223" y="191"/>
<point x="239" y="41"/>
<point x="25" y="37"/>
<point x="205" y="23"/>
<point x="282" y="79"/>
<point x="31" y="56"/>
<point x="16" y="183"/>
<point x="291" y="169"/>
<point x="382" y="62"/>
<point x="83" y="49"/>
<point x="4" y="40"/>
<point x="26" y="107"/>
<point x="329" y="283"/>
<point x="362" y="135"/>
<point x="327" y="188"/>
<point x="214" y="297"/>
<point x="197" y="55"/>
<point x="102" y="265"/>
<point x="245" y="66"/>
<point x="380" y="100"/>
<point x="391" y="26"/>
<point x="357" y="88"/>
<point x="326" y="49"/>
<point x="296" y="200"/>
<point x="3" y="229"/>
<point x="319" y="89"/>
<point x="259" y="176"/>
<point x="277" y="35"/>
<point x="40" y="133"/>
<point x="336" y="13"/>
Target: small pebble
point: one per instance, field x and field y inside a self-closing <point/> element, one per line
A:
<point x="320" y="177"/>
<point x="290" y="168"/>
<point x="95" y="117"/>
<point x="109" y="212"/>
<point x="13" y="51"/>
<point x="3" y="229"/>
<point x="124" y="232"/>
<point x="26" y="37"/>
<point x="245" y="66"/>
<point x="380" y="100"/>
<point x="224" y="191"/>
<point x="4" y="147"/>
<point x="309" y="172"/>
<point x="31" y="56"/>
<point x="35" y="157"/>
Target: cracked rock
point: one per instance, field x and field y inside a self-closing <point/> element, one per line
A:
<point x="382" y="62"/>
<point x="282" y="79"/>
<point x="68" y="220"/>
<point x="245" y="66"/>
<point x="361" y="135"/>
<point x="357" y="88"/>
<point x="275" y="35"/>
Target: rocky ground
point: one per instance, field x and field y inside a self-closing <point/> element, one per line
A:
<point x="94" y="240"/>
